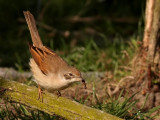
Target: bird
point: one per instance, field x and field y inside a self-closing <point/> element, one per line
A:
<point x="50" y="71"/>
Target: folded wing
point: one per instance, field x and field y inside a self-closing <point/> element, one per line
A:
<point x="47" y="60"/>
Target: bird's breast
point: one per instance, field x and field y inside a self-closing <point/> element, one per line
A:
<point x="50" y="82"/>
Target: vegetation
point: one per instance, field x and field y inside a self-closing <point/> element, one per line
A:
<point x="93" y="35"/>
<point x="59" y="33"/>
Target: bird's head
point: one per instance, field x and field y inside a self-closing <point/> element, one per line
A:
<point x="72" y="75"/>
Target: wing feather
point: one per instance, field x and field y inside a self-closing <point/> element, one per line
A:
<point x="47" y="60"/>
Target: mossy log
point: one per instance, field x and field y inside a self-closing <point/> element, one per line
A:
<point x="71" y="110"/>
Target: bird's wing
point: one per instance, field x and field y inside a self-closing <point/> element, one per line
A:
<point x="47" y="60"/>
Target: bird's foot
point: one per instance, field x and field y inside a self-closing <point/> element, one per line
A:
<point x="58" y="94"/>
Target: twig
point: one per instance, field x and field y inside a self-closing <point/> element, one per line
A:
<point x="97" y="18"/>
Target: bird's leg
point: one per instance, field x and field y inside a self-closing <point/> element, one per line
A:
<point x="40" y="93"/>
<point x="84" y="83"/>
<point x="58" y="93"/>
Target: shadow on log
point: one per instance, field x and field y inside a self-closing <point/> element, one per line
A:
<point x="27" y="95"/>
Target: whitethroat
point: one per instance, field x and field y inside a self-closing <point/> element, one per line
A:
<point x="50" y="71"/>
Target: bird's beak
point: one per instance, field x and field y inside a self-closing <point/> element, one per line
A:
<point x="84" y="83"/>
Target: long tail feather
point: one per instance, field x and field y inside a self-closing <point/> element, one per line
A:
<point x="33" y="29"/>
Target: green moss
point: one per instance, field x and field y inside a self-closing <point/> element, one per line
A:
<point x="51" y="104"/>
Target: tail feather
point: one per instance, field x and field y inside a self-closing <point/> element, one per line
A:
<point x="33" y="29"/>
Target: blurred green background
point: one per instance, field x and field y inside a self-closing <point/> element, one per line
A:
<point x="90" y="34"/>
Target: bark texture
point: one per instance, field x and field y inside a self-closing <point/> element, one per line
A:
<point x="147" y="67"/>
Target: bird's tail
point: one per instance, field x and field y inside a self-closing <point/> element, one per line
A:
<point x="33" y="29"/>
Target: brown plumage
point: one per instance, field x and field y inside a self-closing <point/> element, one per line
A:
<point x="47" y="60"/>
<point x="33" y="29"/>
<point x="49" y="70"/>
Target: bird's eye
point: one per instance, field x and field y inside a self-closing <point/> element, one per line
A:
<point x="70" y="74"/>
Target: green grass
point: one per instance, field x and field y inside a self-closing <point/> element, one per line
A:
<point x="124" y="108"/>
<point x="15" y="111"/>
<point x="89" y="55"/>
<point x="112" y="55"/>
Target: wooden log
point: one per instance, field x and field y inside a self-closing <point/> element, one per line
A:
<point x="71" y="110"/>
